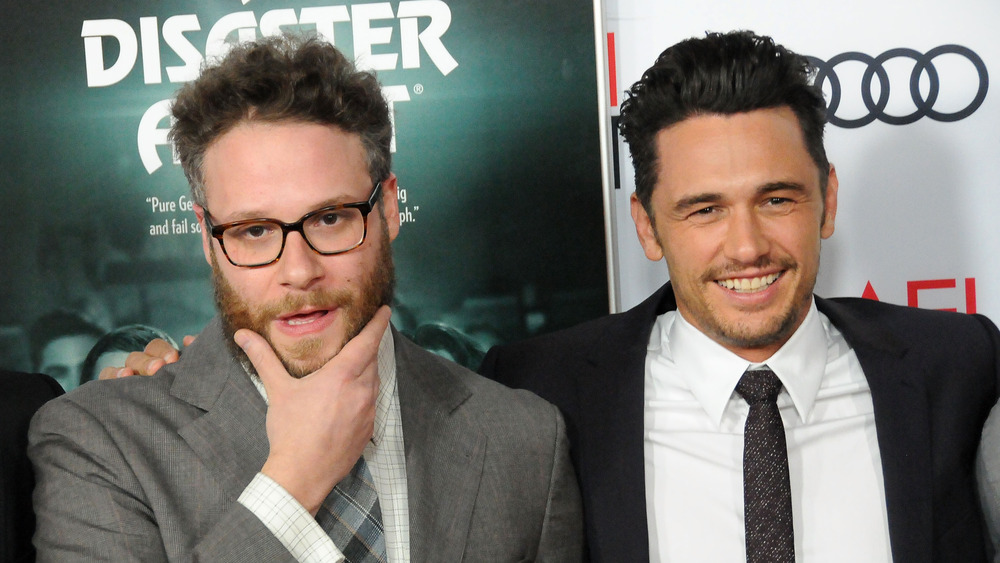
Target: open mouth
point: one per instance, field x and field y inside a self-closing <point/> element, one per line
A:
<point x="749" y="285"/>
<point x="304" y="318"/>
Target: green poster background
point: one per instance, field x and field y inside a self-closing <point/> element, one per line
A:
<point x="498" y="159"/>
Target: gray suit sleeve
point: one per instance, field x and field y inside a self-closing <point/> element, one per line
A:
<point x="562" y="529"/>
<point x="92" y="506"/>
<point x="988" y="457"/>
<point x="988" y="475"/>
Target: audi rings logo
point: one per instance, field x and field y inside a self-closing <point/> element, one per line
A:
<point x="875" y="69"/>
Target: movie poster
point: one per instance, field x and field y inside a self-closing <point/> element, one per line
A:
<point x="496" y="147"/>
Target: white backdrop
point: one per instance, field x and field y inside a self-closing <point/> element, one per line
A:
<point x="919" y="203"/>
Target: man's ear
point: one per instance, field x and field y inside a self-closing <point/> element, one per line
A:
<point x="830" y="204"/>
<point x="390" y="205"/>
<point x="645" y="230"/>
<point x="206" y="237"/>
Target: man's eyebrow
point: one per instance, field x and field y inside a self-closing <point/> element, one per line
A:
<point x="244" y="215"/>
<point x="698" y="199"/>
<point x="260" y="214"/>
<point x="781" y="186"/>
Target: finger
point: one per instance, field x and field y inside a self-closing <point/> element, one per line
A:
<point x="189" y="339"/>
<point x="263" y="358"/>
<point x="143" y="364"/>
<point x="159" y="348"/>
<point x="112" y="372"/>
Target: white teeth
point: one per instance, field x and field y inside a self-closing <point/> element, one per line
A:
<point x="747" y="285"/>
<point x="300" y="321"/>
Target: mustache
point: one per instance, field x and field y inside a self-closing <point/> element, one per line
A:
<point x="318" y="299"/>
<point x="734" y="268"/>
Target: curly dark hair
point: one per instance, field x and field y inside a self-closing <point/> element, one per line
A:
<point x="722" y="73"/>
<point x="275" y="79"/>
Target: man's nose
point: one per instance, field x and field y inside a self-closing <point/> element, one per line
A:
<point x="299" y="264"/>
<point x="746" y="240"/>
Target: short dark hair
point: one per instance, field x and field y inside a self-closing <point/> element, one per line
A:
<point x="129" y="338"/>
<point x="282" y="78"/>
<point x="722" y="73"/>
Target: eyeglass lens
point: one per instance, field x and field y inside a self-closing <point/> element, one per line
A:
<point x="328" y="232"/>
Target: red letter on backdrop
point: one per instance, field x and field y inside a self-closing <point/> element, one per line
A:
<point x="970" y="295"/>
<point x="869" y="292"/>
<point x="912" y="287"/>
<point x="915" y="286"/>
<point x="612" y="70"/>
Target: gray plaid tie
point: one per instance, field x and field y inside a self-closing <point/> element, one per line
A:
<point x="767" y="496"/>
<point x="351" y="516"/>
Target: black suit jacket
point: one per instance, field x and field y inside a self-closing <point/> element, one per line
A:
<point x="20" y="396"/>
<point x="933" y="378"/>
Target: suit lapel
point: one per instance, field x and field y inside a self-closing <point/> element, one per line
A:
<point x="902" y="426"/>
<point x="444" y="457"/>
<point x="612" y="468"/>
<point x="230" y="438"/>
<point x="612" y="390"/>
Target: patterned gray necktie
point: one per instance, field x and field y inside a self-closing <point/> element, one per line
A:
<point x="351" y="516"/>
<point x="767" y="496"/>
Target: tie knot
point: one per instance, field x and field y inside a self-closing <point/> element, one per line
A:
<point x="759" y="385"/>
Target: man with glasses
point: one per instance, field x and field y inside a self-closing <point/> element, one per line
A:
<point x="299" y="426"/>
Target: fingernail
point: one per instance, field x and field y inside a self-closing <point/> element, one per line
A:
<point x="120" y="373"/>
<point x="240" y="339"/>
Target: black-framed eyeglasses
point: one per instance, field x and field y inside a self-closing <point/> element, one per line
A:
<point x="330" y="230"/>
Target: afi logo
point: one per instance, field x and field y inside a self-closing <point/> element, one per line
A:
<point x="914" y="289"/>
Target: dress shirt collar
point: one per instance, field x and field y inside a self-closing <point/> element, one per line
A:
<point x="387" y="384"/>
<point x="386" y="388"/>
<point x="712" y="372"/>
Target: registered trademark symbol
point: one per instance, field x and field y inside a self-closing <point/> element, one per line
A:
<point x="418" y="88"/>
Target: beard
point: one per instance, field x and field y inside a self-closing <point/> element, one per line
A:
<point x="357" y="306"/>
<point x="755" y="334"/>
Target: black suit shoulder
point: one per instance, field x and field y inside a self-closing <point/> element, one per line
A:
<point x="935" y="336"/>
<point x="21" y="394"/>
<point x="901" y="318"/>
<point x="492" y="403"/>
<point x="25" y="392"/>
<point x="548" y="364"/>
<point x="544" y="364"/>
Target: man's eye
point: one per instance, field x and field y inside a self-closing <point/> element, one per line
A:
<point x="331" y="220"/>
<point x="328" y="219"/>
<point x="253" y="231"/>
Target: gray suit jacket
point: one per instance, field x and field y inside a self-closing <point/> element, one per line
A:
<point x="149" y="468"/>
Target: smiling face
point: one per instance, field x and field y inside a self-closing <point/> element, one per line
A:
<point x="738" y="214"/>
<point x="305" y="304"/>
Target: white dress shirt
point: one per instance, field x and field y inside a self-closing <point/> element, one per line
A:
<point x="693" y="446"/>
<point x="292" y="524"/>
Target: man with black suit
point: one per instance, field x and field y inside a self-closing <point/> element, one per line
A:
<point x="20" y="396"/>
<point x="867" y="451"/>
